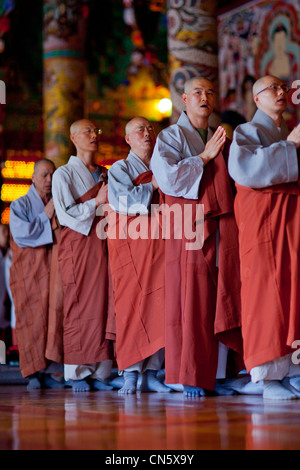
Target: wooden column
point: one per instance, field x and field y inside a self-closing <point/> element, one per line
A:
<point x="64" y="74"/>
<point x="192" y="44"/>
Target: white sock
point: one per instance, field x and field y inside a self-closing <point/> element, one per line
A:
<point x="130" y="382"/>
<point x="274" y="390"/>
<point x="151" y="384"/>
<point x="295" y="382"/>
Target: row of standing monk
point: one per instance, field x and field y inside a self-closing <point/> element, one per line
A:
<point x="219" y="319"/>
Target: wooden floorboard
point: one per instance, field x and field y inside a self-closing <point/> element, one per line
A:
<point x="65" y="420"/>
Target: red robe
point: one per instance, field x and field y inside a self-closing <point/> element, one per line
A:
<point x="38" y="307"/>
<point x="137" y="270"/>
<point x="269" y="238"/>
<point x="84" y="273"/>
<point x="203" y="301"/>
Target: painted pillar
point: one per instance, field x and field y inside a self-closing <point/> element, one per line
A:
<point x="64" y="74"/>
<point x="193" y="46"/>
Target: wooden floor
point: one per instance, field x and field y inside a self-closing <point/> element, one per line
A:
<point x="65" y="420"/>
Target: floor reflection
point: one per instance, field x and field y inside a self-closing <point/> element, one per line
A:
<point x="62" y="419"/>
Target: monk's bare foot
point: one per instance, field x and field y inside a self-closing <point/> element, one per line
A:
<point x="80" y="386"/>
<point x="34" y="382"/>
<point x="190" y="391"/>
<point x="50" y="381"/>
<point x="99" y="385"/>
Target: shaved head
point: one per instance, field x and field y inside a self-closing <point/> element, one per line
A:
<point x="77" y="125"/>
<point x="199" y="100"/>
<point x="262" y="82"/>
<point x="130" y="124"/>
<point x="40" y="163"/>
<point x="140" y="136"/>
<point x="42" y="177"/>
<point x="270" y="94"/>
<point x="189" y="84"/>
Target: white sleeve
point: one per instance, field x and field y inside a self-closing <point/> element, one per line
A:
<point x="123" y="195"/>
<point x="177" y="173"/>
<point x="78" y="217"/>
<point x="25" y="231"/>
<point x="254" y="165"/>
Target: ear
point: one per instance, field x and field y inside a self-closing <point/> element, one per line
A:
<point x="72" y="138"/>
<point x="256" y="99"/>
<point x="183" y="98"/>
<point x="127" y="139"/>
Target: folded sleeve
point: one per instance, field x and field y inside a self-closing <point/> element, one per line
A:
<point x="176" y="171"/>
<point x="254" y="165"/>
<point x="28" y="231"/>
<point x="78" y="217"/>
<point x="123" y="195"/>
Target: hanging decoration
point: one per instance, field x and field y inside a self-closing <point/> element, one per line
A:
<point x="145" y="81"/>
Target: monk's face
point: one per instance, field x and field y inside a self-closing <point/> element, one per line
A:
<point x="42" y="178"/>
<point x="86" y="136"/>
<point x="141" y="136"/>
<point x="270" y="97"/>
<point x="199" y="99"/>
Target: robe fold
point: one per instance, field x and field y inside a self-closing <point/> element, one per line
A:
<point x="267" y="214"/>
<point x="202" y="285"/>
<point x="84" y="273"/>
<point x="54" y="345"/>
<point x="38" y="308"/>
<point x="137" y="269"/>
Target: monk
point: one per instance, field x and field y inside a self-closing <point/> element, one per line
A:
<point x="34" y="231"/>
<point x="202" y="281"/>
<point x="79" y="188"/>
<point x="264" y="163"/>
<point x="137" y="264"/>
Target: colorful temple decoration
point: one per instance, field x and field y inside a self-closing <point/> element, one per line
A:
<point x="64" y="73"/>
<point x="192" y="44"/>
<point x="256" y="39"/>
<point x="138" y="83"/>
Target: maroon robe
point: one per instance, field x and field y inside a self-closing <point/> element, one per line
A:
<point x="203" y="300"/>
<point x="137" y="270"/>
<point x="269" y="238"/>
<point x="38" y="307"/>
<point x="84" y="273"/>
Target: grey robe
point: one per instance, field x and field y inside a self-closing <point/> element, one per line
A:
<point x="29" y="224"/>
<point x="69" y="183"/>
<point x="123" y="195"/>
<point x="175" y="161"/>
<point x="259" y="154"/>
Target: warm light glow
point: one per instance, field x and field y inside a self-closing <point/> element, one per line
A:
<point x="10" y="192"/>
<point x="5" y="216"/>
<point x="165" y="106"/>
<point x="17" y="170"/>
